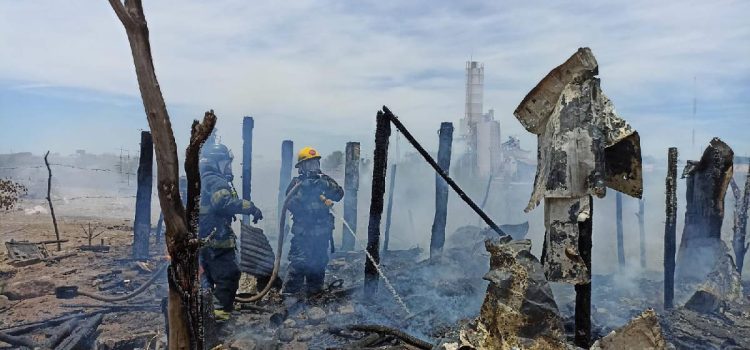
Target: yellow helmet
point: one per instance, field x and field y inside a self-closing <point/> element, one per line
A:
<point x="306" y="153"/>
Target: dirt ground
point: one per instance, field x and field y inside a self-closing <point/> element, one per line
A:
<point x="91" y="271"/>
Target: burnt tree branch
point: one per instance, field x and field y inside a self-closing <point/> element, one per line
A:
<point x="184" y="301"/>
<point x="49" y="200"/>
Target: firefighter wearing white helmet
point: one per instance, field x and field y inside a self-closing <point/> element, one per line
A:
<point x="219" y="204"/>
<point x="312" y="225"/>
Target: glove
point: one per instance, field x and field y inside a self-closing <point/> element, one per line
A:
<point x="326" y="201"/>
<point x="257" y="215"/>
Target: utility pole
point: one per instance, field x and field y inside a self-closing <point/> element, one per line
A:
<point x="437" y="240"/>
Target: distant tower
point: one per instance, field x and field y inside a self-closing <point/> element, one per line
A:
<point x="480" y="130"/>
<point x="474" y="107"/>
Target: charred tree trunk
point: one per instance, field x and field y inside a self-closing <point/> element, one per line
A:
<point x="642" y="232"/>
<point x="49" y="200"/>
<point x="620" y="238"/>
<point x="707" y="182"/>
<point x="437" y="240"/>
<point x="247" y="161"/>
<point x="285" y="173"/>
<point x="351" y="187"/>
<point x="670" y="229"/>
<point x="740" y="223"/>
<point x="142" y="222"/>
<point x="182" y="245"/>
<point x="389" y="210"/>
<point x="379" y="169"/>
<point x="583" y="291"/>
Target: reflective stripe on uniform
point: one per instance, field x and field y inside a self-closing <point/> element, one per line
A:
<point x="220" y="196"/>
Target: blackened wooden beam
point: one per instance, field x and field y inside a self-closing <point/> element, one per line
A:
<point x="670" y="229"/>
<point x="583" y="291"/>
<point x="437" y="240"/>
<point x="142" y="222"/>
<point x="620" y="237"/>
<point x="379" y="168"/>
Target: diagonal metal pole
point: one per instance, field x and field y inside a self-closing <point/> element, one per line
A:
<point x="397" y="123"/>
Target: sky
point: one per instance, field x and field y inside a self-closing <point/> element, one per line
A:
<point x="316" y="72"/>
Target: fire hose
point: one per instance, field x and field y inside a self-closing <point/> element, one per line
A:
<point x="69" y="292"/>
<point x="279" y="247"/>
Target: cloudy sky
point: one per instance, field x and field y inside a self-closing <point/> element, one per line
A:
<point x="316" y="72"/>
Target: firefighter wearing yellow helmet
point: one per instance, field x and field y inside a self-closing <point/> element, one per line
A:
<point x="312" y="226"/>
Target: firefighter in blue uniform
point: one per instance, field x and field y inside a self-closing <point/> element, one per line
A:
<point x="312" y="224"/>
<point x="219" y="204"/>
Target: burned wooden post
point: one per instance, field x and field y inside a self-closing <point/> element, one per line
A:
<point x="351" y="187"/>
<point x="620" y="238"/>
<point x="642" y="232"/>
<point x="583" y="148"/>
<point x="389" y="210"/>
<point x="707" y="182"/>
<point x="285" y="172"/>
<point x="142" y="222"/>
<point x="49" y="201"/>
<point x="379" y="168"/>
<point x="437" y="240"/>
<point x="159" y="234"/>
<point x="742" y="200"/>
<point x="247" y="161"/>
<point x="582" y="329"/>
<point x="670" y="228"/>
